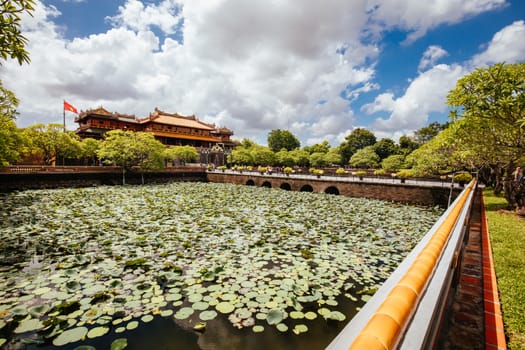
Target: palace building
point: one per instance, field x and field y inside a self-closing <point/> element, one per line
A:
<point x="170" y="129"/>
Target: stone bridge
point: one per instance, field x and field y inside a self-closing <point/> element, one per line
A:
<point x="409" y="191"/>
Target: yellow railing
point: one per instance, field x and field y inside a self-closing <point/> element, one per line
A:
<point x="387" y="324"/>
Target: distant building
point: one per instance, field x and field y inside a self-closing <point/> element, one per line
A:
<point x="213" y="143"/>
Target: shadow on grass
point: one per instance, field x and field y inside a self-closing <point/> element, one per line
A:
<point x="496" y="202"/>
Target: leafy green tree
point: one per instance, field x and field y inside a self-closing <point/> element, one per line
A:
<point x="128" y="149"/>
<point x="365" y="158"/>
<point x="333" y="157"/>
<point x="12" y="42"/>
<point x="285" y="158"/>
<point x="490" y="104"/>
<point x="407" y="144"/>
<point x="301" y="157"/>
<point x="241" y="155"/>
<point x="184" y="154"/>
<point x="317" y="159"/>
<point x="428" y="132"/>
<point x="322" y="147"/>
<point x="358" y="139"/>
<point x="89" y="149"/>
<point x="10" y="136"/>
<point x="394" y="162"/>
<point x="279" y="139"/>
<point x="385" y="148"/>
<point x="52" y="143"/>
<point x="262" y="155"/>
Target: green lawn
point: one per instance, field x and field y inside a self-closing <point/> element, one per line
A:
<point x="507" y="233"/>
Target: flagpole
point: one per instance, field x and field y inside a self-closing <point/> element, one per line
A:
<point x="64" y="115"/>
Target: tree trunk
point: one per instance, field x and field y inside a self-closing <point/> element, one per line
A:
<point x="123" y="176"/>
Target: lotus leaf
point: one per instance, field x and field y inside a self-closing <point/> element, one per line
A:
<point x="147" y="318"/>
<point x="224" y="307"/>
<point x="97" y="332"/>
<point x="119" y="344"/>
<point x="184" y="313"/>
<point x="85" y="347"/>
<point x="200" y="326"/>
<point x="208" y="315"/>
<point x="335" y="315"/>
<point x="29" y="325"/>
<point x="132" y="325"/>
<point x="275" y="316"/>
<point x="70" y="336"/>
<point x="258" y="329"/>
<point x="281" y="327"/>
<point x="300" y="328"/>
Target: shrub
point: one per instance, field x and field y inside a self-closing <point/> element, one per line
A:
<point x="340" y="171"/>
<point x="463" y="177"/>
<point x="288" y="170"/>
<point x="405" y="173"/>
<point x="380" y="172"/>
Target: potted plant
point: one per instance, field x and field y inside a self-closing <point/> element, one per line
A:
<point x="262" y="169"/>
<point x="223" y="168"/>
<point x="340" y="171"/>
<point x="404" y="174"/>
<point x="319" y="172"/>
<point x="360" y="174"/>
<point x="288" y="170"/>
<point x="462" y="178"/>
<point x="380" y="172"/>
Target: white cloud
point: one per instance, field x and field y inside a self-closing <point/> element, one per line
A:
<point x="137" y="16"/>
<point x="418" y="17"/>
<point x="425" y="94"/>
<point x="507" y="45"/>
<point x="432" y="54"/>
<point x="249" y="65"/>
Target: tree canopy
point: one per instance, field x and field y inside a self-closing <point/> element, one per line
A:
<point x="12" y="42"/>
<point x="279" y="139"/>
<point x="359" y="138"/>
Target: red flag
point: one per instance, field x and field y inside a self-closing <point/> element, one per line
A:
<point x="68" y="107"/>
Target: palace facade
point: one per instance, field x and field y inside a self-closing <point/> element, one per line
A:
<point x="170" y="129"/>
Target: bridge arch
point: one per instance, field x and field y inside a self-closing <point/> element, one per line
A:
<point x="306" y="188"/>
<point x="267" y="184"/>
<point x="285" y="186"/>
<point x="250" y="182"/>
<point x="332" y="190"/>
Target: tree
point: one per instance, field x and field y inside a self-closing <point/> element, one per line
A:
<point x="385" y="148"/>
<point x="333" y="157"/>
<point x="262" y="155"/>
<point x="323" y="147"/>
<point x="284" y="158"/>
<point x="359" y="138"/>
<point x="428" y="132"/>
<point x="184" y="154"/>
<point x="10" y="135"/>
<point x="89" y="148"/>
<point x="365" y="158"/>
<point x="317" y="159"/>
<point x="301" y="157"/>
<point x="490" y="103"/>
<point x="52" y="143"/>
<point x="128" y="148"/>
<point x="12" y="42"/>
<point x="394" y="162"/>
<point x="241" y="155"/>
<point x="279" y="139"/>
<point x="407" y="144"/>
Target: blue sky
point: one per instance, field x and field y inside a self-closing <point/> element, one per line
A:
<point x="319" y="70"/>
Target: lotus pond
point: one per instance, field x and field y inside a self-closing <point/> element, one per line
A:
<point x="193" y="265"/>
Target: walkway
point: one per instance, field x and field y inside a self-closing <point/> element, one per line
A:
<point x="474" y="320"/>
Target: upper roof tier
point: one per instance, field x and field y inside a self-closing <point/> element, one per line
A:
<point x="156" y="117"/>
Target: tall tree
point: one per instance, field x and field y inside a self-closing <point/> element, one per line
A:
<point x="358" y="139"/>
<point x="385" y="148"/>
<point x="428" y="132"/>
<point x="184" y="154"/>
<point x="10" y="135"/>
<point x="279" y="139"/>
<point x="322" y="147"/>
<point x="490" y="104"/>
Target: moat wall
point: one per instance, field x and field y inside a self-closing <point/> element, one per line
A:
<point x="397" y="192"/>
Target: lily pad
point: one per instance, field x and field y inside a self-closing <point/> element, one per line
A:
<point x="29" y="325"/>
<point x="224" y="307"/>
<point x="275" y="316"/>
<point x="119" y="344"/>
<point x="97" y="332"/>
<point x="70" y="336"/>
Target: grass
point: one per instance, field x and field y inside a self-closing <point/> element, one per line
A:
<point x="507" y="232"/>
